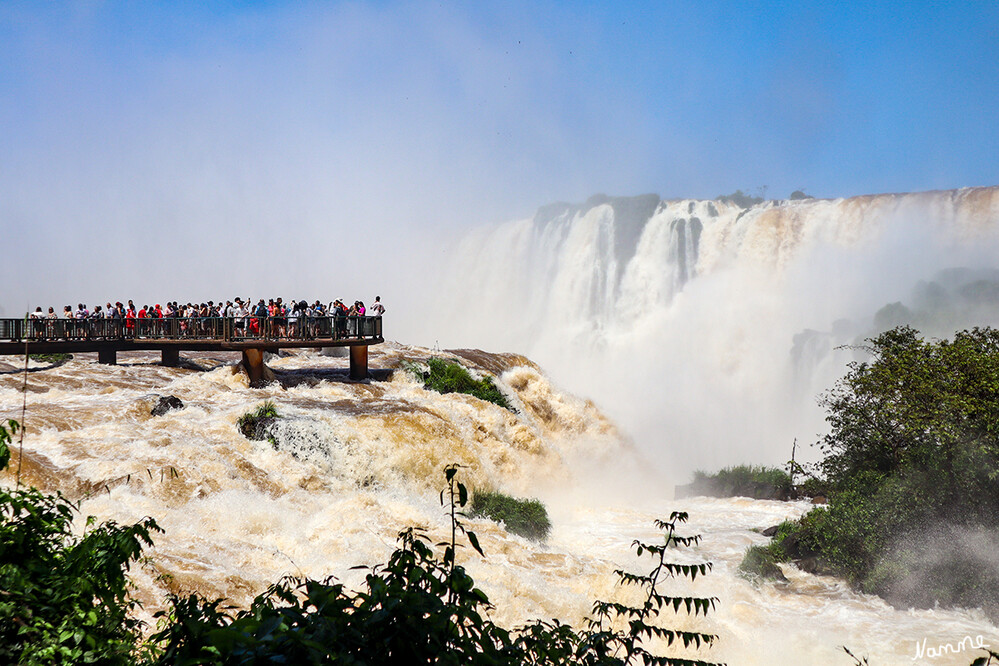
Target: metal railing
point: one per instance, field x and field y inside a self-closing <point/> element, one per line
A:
<point x="224" y="329"/>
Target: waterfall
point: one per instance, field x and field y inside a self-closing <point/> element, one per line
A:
<point x="678" y="314"/>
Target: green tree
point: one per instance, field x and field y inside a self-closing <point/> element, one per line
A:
<point x="912" y="458"/>
<point x="64" y="599"/>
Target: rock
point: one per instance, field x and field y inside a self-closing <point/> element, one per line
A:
<point x="790" y="545"/>
<point x="165" y="404"/>
<point x="257" y="428"/>
<point x="261" y="429"/>
<point x="819" y="499"/>
<point x="815" y="565"/>
<point x="770" y="531"/>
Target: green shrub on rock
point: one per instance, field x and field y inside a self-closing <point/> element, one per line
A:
<point x="761" y="562"/>
<point x="446" y="376"/>
<point x="526" y="517"/>
<point x="254" y="424"/>
<point x="54" y="359"/>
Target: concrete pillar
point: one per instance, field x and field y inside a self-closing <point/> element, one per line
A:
<point x="359" y="362"/>
<point x="107" y="356"/>
<point x="170" y="357"/>
<point x="253" y="363"/>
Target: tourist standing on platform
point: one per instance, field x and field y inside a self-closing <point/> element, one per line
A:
<point x="377" y="309"/>
<point x="130" y="320"/>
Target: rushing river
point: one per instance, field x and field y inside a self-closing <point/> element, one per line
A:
<point x="357" y="462"/>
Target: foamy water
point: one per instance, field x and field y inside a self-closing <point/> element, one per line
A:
<point x="359" y="461"/>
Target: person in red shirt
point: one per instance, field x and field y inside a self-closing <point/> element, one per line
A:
<point x="130" y="321"/>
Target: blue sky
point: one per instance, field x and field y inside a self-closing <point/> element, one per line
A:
<point x="342" y="127"/>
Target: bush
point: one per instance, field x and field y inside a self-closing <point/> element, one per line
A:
<point x="51" y="358"/>
<point x="528" y="518"/>
<point x="446" y="376"/>
<point x="254" y="424"/>
<point x="814" y="487"/>
<point x="64" y="599"/>
<point x="761" y="562"/>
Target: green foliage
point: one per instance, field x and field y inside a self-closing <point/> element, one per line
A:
<point x="424" y="608"/>
<point x="64" y="599"/>
<point x="744" y="481"/>
<point x="51" y="358"/>
<point x="526" y="517"/>
<point x="813" y="487"/>
<point x="6" y="433"/>
<point x="913" y="447"/>
<point x="254" y="424"/>
<point x="761" y="562"/>
<point x="446" y="376"/>
<point x="740" y="198"/>
<point x="798" y="195"/>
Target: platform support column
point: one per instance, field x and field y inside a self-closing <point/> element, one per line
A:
<point x="107" y="356"/>
<point x="170" y="357"/>
<point x="359" y="362"/>
<point x="253" y="363"/>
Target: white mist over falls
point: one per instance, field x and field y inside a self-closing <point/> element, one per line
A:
<point x="668" y="336"/>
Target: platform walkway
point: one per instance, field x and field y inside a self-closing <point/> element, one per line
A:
<point x="170" y="336"/>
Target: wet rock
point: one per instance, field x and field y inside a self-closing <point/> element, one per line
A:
<point x="770" y="531"/>
<point x="815" y="565"/>
<point x="261" y="429"/>
<point x="819" y="499"/>
<point x="165" y="404"/>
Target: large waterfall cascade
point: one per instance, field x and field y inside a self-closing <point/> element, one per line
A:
<point x="679" y="314"/>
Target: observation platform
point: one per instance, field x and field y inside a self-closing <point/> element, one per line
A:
<point x="170" y="336"/>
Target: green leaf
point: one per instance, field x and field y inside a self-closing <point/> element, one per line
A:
<point x="474" y="540"/>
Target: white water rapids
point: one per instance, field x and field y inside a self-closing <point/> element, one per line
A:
<point x="706" y="336"/>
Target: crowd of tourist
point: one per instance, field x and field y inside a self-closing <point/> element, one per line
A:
<point x="236" y="318"/>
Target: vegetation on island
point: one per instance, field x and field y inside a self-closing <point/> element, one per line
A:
<point x="912" y="467"/>
<point x="526" y="517"/>
<point x="66" y="599"/>
<point x="740" y="199"/>
<point x="761" y="561"/>
<point x="755" y="481"/>
<point x="446" y="376"/>
<point x="54" y="359"/>
<point x="255" y="425"/>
